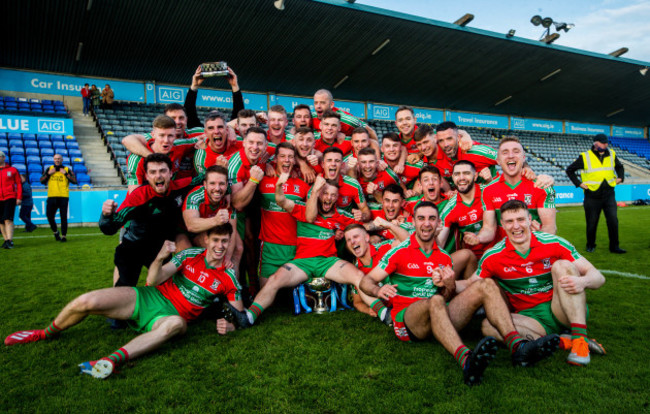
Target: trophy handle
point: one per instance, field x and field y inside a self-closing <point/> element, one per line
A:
<point x="333" y="297"/>
<point x="303" y="300"/>
<point x="296" y="302"/>
<point x="344" y="296"/>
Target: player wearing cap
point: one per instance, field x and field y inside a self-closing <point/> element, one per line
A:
<point x="421" y="282"/>
<point x="601" y="172"/>
<point x="177" y="292"/>
<point x="544" y="279"/>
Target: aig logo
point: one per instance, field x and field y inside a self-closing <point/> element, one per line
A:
<point x="381" y="112"/>
<point x="50" y="125"/>
<point x="167" y="94"/>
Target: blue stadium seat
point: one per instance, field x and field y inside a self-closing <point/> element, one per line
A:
<point x="43" y="137"/>
<point x="66" y="160"/>
<point x="16" y="142"/>
<point x="21" y="167"/>
<point x="44" y="144"/>
<point x="70" y="137"/>
<point x="75" y="153"/>
<point x="79" y="169"/>
<point x="31" y="144"/>
<point x="46" y="102"/>
<point x="61" y="151"/>
<point x="34" y="100"/>
<point x="47" y="160"/>
<point x="32" y="152"/>
<point x="83" y="179"/>
<point x="3" y="135"/>
<point x="33" y="159"/>
<point x="4" y="142"/>
<point x="17" y="151"/>
<point x="29" y="137"/>
<point x="13" y="135"/>
<point x="10" y="99"/>
<point x="34" y="178"/>
<point x="58" y="144"/>
<point x="56" y="137"/>
<point x="11" y="107"/>
<point x="72" y="145"/>
<point x="77" y="160"/>
<point x="47" y="151"/>
<point x="34" y="168"/>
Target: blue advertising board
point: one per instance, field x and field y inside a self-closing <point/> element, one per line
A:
<point x="85" y="206"/>
<point x="588" y="129"/>
<point x="477" y="120"/>
<point x="357" y="109"/>
<point x="36" y="125"/>
<point x="150" y="92"/>
<point x="54" y="84"/>
<point x="211" y="98"/>
<point x="428" y="116"/>
<point x="628" y="132"/>
<point x="539" y="125"/>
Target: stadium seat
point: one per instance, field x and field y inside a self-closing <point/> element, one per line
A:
<point x="33" y="159"/>
<point x="17" y="159"/>
<point x="35" y="177"/>
<point x="47" y="151"/>
<point x="32" y="151"/>
<point x="82" y="179"/>
<point x="17" y="151"/>
<point x="47" y="160"/>
<point x="43" y="137"/>
<point x="56" y="137"/>
<point x="31" y="144"/>
<point x="4" y="142"/>
<point x="21" y="167"/>
<point x="13" y="135"/>
<point x="72" y="145"/>
<point x="77" y="160"/>
<point x="58" y="144"/>
<point x="44" y="144"/>
<point x="29" y="137"/>
<point x="79" y="169"/>
<point x="66" y="160"/>
<point x="75" y="153"/>
<point x="34" y="168"/>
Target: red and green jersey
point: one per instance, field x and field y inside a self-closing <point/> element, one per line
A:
<point x="482" y="156"/>
<point x="317" y="238"/>
<point x="350" y="192"/>
<point x="410" y="269"/>
<point x="181" y="153"/>
<point x="409" y="142"/>
<point x="377" y="211"/>
<point x="411" y="173"/>
<point x="348" y="121"/>
<point x="526" y="278"/>
<point x="412" y="202"/>
<point x="239" y="168"/>
<point x="381" y="180"/>
<point x="195" y="284"/>
<point x="440" y="161"/>
<point x="198" y="199"/>
<point x="345" y="146"/>
<point x="499" y="191"/>
<point x="205" y="158"/>
<point x="466" y="218"/>
<point x="377" y="252"/>
<point x="278" y="226"/>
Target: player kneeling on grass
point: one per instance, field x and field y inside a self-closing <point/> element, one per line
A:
<point x="421" y="281"/>
<point x="544" y="278"/>
<point x="177" y="292"/>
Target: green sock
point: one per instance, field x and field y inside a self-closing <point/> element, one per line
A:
<point x="52" y="330"/>
<point x="254" y="311"/>
<point x="379" y="308"/>
<point x="461" y="355"/>
<point x="513" y="340"/>
<point x="578" y="330"/>
<point x="118" y="357"/>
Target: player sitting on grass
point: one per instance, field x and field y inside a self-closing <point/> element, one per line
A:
<point x="544" y="278"/>
<point x="421" y="281"/>
<point x="177" y="292"/>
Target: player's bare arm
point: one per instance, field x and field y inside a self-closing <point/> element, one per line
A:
<point x="136" y="144"/>
<point x="158" y="272"/>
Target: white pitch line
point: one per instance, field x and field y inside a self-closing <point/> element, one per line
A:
<point x="624" y="274"/>
<point x="50" y="236"/>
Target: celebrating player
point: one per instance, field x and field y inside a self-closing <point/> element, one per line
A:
<point x="177" y="292"/>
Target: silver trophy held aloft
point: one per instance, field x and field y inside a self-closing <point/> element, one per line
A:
<point x="321" y="289"/>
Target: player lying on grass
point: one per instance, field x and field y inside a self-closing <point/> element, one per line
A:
<point x="421" y="281"/>
<point x="177" y="292"/>
<point x="544" y="278"/>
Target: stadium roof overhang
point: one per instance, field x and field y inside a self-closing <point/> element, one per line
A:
<point x="315" y="44"/>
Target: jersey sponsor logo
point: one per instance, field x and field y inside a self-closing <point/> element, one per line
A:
<point x="528" y="198"/>
<point x="532" y="281"/>
<point x="497" y="199"/>
<point x="296" y="188"/>
<point x="270" y="186"/>
<point x="413" y="266"/>
<point x="380" y="185"/>
<point x="473" y="216"/>
<point x="547" y="263"/>
<point x="215" y="284"/>
<point x="512" y="196"/>
<point x="509" y="269"/>
<point x="345" y="200"/>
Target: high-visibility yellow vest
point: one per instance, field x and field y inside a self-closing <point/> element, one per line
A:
<point x="595" y="171"/>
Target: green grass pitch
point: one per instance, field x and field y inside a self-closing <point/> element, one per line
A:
<point x="337" y="363"/>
